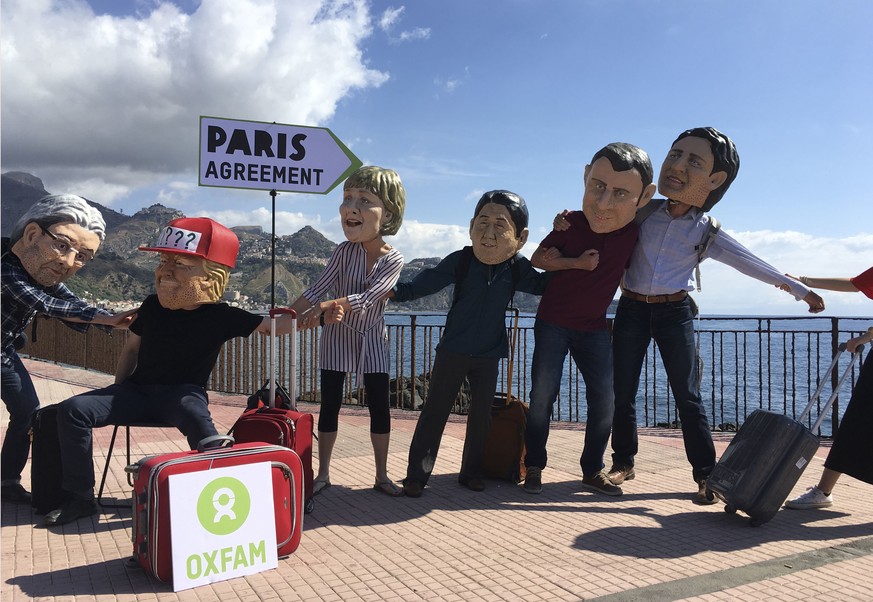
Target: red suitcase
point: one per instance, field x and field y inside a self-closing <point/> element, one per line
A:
<point x="288" y="428"/>
<point x="151" y="498"/>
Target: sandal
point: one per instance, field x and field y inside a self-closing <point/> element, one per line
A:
<point x="319" y="486"/>
<point x="388" y="488"/>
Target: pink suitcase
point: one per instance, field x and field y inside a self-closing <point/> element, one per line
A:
<point x="151" y="517"/>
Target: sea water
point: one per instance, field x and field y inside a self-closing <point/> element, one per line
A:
<point x="747" y="363"/>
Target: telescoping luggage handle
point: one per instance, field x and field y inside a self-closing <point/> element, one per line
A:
<point x="513" y="338"/>
<point x="274" y="355"/>
<point x="821" y="386"/>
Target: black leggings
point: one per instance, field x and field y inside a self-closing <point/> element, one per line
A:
<point x="376" y="387"/>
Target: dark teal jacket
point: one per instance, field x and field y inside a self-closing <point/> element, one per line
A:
<point x="476" y="323"/>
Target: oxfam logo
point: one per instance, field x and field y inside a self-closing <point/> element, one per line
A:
<point x="223" y="506"/>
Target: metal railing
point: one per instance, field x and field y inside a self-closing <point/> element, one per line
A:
<point x="747" y="363"/>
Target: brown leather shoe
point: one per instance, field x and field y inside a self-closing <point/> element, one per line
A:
<point x="599" y="483"/>
<point x="619" y="473"/>
<point x="412" y="488"/>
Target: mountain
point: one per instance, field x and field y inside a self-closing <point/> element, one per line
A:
<point x="20" y="190"/>
<point x="121" y="272"/>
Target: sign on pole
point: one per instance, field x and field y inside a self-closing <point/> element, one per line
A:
<point x="272" y="156"/>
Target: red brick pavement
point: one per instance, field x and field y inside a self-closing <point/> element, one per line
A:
<point x="453" y="544"/>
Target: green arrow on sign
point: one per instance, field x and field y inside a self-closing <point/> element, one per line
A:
<point x="272" y="156"/>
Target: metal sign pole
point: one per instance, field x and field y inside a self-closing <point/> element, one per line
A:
<point x="273" y="254"/>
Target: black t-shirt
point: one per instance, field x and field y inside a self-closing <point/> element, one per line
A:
<point x="180" y="346"/>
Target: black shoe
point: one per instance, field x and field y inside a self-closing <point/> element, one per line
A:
<point x="412" y="488"/>
<point x="472" y="483"/>
<point x="14" y="493"/>
<point x="74" y="509"/>
<point x="533" y="481"/>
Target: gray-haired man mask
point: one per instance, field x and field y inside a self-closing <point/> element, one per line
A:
<point x="55" y="238"/>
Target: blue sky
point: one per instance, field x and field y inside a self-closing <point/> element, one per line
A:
<point x="102" y="98"/>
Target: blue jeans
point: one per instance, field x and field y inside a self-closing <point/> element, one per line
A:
<point x="592" y="352"/>
<point x="183" y="406"/>
<point x="21" y="401"/>
<point x="672" y="327"/>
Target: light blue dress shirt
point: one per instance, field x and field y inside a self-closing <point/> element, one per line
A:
<point x="664" y="259"/>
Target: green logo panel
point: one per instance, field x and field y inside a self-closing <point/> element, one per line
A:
<point x="223" y="506"/>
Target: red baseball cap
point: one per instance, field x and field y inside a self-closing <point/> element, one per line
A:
<point x="198" y="236"/>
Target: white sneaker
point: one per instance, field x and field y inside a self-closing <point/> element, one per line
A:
<point x="813" y="498"/>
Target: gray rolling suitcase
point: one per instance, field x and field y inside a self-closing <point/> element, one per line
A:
<point x="768" y="454"/>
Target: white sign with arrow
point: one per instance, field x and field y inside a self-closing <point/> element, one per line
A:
<point x="272" y="156"/>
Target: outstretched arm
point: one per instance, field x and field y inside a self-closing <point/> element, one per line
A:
<point x="122" y="320"/>
<point x="728" y="251"/>
<point x="843" y="285"/>
<point x="854" y="343"/>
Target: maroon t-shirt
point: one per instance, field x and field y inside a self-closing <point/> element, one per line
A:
<point x="578" y="299"/>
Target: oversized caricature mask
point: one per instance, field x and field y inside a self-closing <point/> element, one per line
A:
<point x="499" y="229"/>
<point x="56" y="237"/>
<point x="374" y="200"/>
<point x="699" y="168"/>
<point x="196" y="255"/>
<point x="617" y="183"/>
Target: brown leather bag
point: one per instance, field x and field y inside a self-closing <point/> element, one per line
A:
<point x="504" y="446"/>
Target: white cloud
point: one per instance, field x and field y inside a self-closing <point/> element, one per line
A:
<point x="286" y="221"/>
<point x="418" y="33"/>
<point x="726" y="291"/>
<point x="391" y="17"/>
<point x="451" y="84"/>
<point x="121" y="96"/>
<point x="417" y="239"/>
<point x="447" y="85"/>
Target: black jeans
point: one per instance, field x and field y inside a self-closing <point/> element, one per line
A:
<point x="184" y="406"/>
<point x="449" y="371"/>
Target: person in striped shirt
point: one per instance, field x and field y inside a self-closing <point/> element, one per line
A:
<point x="360" y="273"/>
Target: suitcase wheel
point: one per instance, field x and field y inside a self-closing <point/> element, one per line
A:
<point x="730" y="509"/>
<point x="309" y="506"/>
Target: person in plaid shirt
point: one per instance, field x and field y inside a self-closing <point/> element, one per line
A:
<point x="55" y="238"/>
